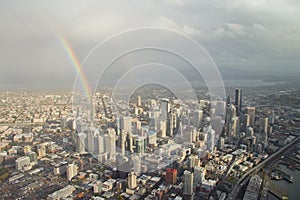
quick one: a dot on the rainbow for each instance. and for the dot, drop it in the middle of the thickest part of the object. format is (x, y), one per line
(77, 65)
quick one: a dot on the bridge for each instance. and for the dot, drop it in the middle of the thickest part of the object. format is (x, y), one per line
(275, 156)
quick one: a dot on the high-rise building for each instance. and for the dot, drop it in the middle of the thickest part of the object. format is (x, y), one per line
(171, 176)
(122, 142)
(211, 135)
(72, 171)
(229, 121)
(166, 108)
(137, 164)
(188, 183)
(189, 134)
(221, 106)
(251, 112)
(263, 125)
(90, 142)
(132, 180)
(80, 142)
(99, 144)
(125, 124)
(140, 146)
(197, 118)
(110, 142)
(238, 100)
(199, 175)
(245, 122)
(171, 124)
(129, 143)
(139, 101)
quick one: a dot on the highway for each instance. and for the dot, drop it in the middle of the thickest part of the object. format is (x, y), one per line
(238, 185)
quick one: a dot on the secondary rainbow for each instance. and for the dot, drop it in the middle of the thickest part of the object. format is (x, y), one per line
(76, 63)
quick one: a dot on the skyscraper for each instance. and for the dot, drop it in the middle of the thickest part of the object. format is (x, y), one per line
(238, 100)
(197, 118)
(125, 124)
(199, 173)
(132, 180)
(139, 101)
(110, 142)
(165, 106)
(188, 183)
(251, 112)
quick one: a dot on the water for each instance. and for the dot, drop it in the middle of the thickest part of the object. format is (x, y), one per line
(249, 83)
(293, 189)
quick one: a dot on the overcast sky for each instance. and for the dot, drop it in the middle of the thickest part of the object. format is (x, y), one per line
(254, 37)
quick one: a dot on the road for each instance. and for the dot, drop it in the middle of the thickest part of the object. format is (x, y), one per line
(238, 185)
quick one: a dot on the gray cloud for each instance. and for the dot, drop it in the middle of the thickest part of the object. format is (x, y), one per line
(258, 36)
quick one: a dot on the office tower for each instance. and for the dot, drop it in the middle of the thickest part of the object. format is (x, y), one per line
(139, 101)
(221, 106)
(217, 124)
(129, 143)
(229, 121)
(197, 118)
(110, 142)
(136, 126)
(189, 134)
(235, 128)
(211, 135)
(162, 127)
(171, 176)
(153, 124)
(125, 124)
(80, 143)
(171, 124)
(272, 118)
(137, 164)
(90, 142)
(245, 122)
(132, 180)
(151, 138)
(221, 143)
(199, 175)
(238, 101)
(121, 142)
(251, 112)
(191, 161)
(72, 171)
(263, 125)
(22, 162)
(188, 183)
(99, 144)
(165, 108)
(263, 129)
(228, 101)
(140, 146)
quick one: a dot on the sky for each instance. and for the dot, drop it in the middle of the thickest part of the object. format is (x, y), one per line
(246, 39)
